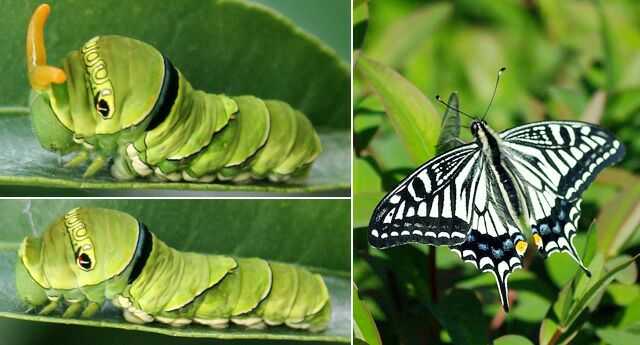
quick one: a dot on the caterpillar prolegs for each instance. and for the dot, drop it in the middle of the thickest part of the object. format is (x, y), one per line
(91, 255)
(120, 99)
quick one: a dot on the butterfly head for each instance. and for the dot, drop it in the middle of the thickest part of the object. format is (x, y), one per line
(477, 126)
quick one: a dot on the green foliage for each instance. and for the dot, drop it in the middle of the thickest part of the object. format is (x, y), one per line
(573, 60)
(243, 228)
(251, 49)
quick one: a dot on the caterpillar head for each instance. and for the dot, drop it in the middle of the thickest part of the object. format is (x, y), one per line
(110, 84)
(84, 248)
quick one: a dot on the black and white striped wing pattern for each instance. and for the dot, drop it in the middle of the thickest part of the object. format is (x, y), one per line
(432, 205)
(491, 243)
(554, 162)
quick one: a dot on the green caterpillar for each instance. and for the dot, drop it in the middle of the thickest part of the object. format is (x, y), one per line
(91, 255)
(119, 98)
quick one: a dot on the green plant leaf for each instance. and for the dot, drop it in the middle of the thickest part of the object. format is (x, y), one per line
(547, 329)
(413, 117)
(561, 267)
(620, 219)
(627, 276)
(360, 22)
(364, 327)
(450, 135)
(618, 337)
(512, 339)
(250, 50)
(623, 294)
(596, 288)
(363, 206)
(242, 228)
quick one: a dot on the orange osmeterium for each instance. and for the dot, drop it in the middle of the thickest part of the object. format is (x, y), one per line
(40, 74)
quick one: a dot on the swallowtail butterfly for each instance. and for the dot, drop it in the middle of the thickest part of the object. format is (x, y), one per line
(471, 198)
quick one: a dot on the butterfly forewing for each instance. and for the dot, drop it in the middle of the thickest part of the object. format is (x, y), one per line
(554, 162)
(431, 205)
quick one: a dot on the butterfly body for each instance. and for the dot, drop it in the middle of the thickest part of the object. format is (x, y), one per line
(473, 197)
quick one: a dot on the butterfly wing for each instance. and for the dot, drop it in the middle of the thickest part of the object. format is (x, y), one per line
(432, 205)
(554, 162)
(491, 244)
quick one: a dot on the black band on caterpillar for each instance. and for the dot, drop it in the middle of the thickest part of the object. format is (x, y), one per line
(167, 96)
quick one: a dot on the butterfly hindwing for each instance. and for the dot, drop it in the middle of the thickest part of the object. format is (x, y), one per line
(554, 162)
(431, 205)
(491, 243)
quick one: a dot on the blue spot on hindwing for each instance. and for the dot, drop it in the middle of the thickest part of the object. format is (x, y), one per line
(483, 247)
(561, 215)
(544, 229)
(497, 253)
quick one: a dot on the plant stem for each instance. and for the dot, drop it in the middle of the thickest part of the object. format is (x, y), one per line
(431, 267)
(555, 337)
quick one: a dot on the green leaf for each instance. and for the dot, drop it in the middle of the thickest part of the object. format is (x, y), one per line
(595, 288)
(547, 329)
(242, 228)
(623, 294)
(363, 205)
(631, 314)
(627, 276)
(618, 337)
(561, 267)
(250, 50)
(563, 303)
(619, 219)
(26, 165)
(363, 324)
(360, 22)
(531, 307)
(413, 117)
(512, 339)
(450, 135)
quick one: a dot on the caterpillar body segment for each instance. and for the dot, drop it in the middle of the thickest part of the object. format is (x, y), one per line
(122, 102)
(91, 256)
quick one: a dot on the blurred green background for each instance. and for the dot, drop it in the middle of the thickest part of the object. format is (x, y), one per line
(565, 60)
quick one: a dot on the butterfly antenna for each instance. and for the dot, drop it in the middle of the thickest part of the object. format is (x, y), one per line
(452, 108)
(495, 88)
